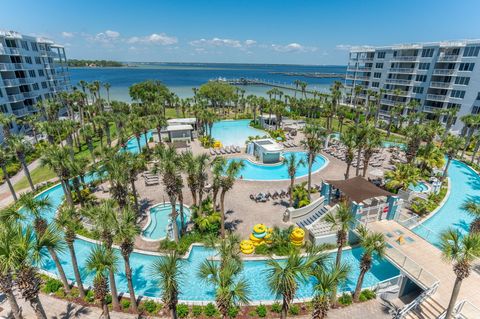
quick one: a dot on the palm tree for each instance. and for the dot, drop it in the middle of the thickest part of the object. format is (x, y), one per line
(230, 172)
(349, 141)
(5, 121)
(168, 272)
(37, 207)
(342, 221)
(284, 276)
(326, 287)
(451, 146)
(10, 234)
(57, 159)
(68, 219)
(88, 133)
(101, 261)
(4, 158)
(107, 87)
(371, 144)
(127, 230)
(472, 121)
(313, 143)
(473, 209)
(20, 147)
(402, 177)
(372, 243)
(461, 250)
(292, 165)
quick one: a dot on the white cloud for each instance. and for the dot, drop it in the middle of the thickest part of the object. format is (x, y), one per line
(348, 47)
(154, 38)
(293, 47)
(219, 42)
(112, 34)
(67, 34)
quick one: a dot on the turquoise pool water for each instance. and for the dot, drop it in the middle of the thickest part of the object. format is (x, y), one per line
(421, 187)
(464, 185)
(385, 144)
(159, 219)
(234, 132)
(259, 172)
(194, 289)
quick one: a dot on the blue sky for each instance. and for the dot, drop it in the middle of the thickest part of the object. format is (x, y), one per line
(255, 31)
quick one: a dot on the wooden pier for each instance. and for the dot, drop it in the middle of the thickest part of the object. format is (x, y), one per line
(260, 82)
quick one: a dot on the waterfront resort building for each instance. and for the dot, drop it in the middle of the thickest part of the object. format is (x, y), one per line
(32, 69)
(265, 150)
(436, 76)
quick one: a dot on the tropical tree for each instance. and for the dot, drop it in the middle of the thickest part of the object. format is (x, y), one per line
(371, 144)
(5, 121)
(168, 272)
(126, 230)
(292, 164)
(451, 146)
(430, 157)
(342, 220)
(68, 218)
(229, 173)
(461, 250)
(473, 209)
(21, 147)
(415, 134)
(101, 261)
(373, 243)
(313, 143)
(57, 159)
(4, 158)
(402, 177)
(348, 139)
(327, 280)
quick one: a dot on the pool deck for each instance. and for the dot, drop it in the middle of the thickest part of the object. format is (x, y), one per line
(429, 259)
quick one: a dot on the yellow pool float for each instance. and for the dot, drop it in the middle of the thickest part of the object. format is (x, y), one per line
(259, 228)
(217, 144)
(268, 238)
(247, 247)
(297, 234)
(256, 241)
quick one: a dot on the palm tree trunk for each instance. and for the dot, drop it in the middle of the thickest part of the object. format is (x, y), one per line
(292, 181)
(347, 172)
(182, 216)
(68, 193)
(159, 132)
(107, 133)
(173, 202)
(14, 308)
(128, 274)
(78, 278)
(309, 183)
(446, 167)
(76, 186)
(37, 307)
(338, 260)
(135, 196)
(9, 183)
(26, 172)
(358, 288)
(113, 289)
(357, 169)
(453, 298)
(222, 214)
(146, 139)
(475, 150)
(91, 149)
(106, 312)
(173, 313)
(139, 144)
(283, 313)
(61, 273)
(200, 200)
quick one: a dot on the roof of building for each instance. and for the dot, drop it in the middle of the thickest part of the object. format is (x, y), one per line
(453, 43)
(268, 145)
(188, 120)
(358, 189)
(184, 127)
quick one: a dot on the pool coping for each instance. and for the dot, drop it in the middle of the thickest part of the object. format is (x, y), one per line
(149, 221)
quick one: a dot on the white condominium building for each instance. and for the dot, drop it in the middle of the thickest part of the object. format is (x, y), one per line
(439, 76)
(32, 69)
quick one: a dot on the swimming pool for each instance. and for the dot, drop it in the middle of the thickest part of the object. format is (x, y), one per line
(193, 289)
(385, 144)
(234, 132)
(421, 187)
(262, 172)
(159, 219)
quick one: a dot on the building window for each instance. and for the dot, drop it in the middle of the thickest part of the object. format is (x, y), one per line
(478, 96)
(377, 75)
(462, 80)
(379, 65)
(25, 45)
(34, 46)
(1, 94)
(41, 73)
(32, 73)
(424, 66)
(3, 108)
(427, 53)
(418, 89)
(471, 51)
(476, 109)
(28, 60)
(10, 43)
(421, 78)
(466, 66)
(457, 94)
(375, 84)
(381, 55)
(44, 85)
(35, 86)
(38, 60)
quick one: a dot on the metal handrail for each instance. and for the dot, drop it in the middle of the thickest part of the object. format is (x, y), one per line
(417, 301)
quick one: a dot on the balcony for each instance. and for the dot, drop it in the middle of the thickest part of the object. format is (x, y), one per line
(435, 97)
(448, 58)
(405, 58)
(18, 66)
(21, 112)
(23, 80)
(399, 81)
(15, 98)
(387, 102)
(30, 95)
(11, 82)
(444, 71)
(431, 109)
(402, 70)
(6, 67)
(440, 85)
(14, 51)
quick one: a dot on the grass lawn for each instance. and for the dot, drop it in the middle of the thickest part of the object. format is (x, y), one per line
(39, 174)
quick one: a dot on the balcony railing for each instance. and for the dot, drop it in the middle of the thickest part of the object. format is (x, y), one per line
(399, 81)
(15, 98)
(18, 66)
(23, 80)
(444, 72)
(11, 82)
(431, 109)
(440, 85)
(15, 51)
(387, 102)
(6, 67)
(448, 58)
(405, 58)
(29, 95)
(435, 97)
(402, 70)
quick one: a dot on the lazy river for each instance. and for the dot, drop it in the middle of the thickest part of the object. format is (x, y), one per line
(464, 184)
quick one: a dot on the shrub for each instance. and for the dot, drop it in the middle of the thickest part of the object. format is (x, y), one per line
(182, 310)
(294, 310)
(125, 303)
(108, 299)
(60, 293)
(210, 310)
(261, 311)
(74, 293)
(262, 249)
(90, 296)
(197, 311)
(367, 294)
(151, 306)
(345, 299)
(233, 312)
(52, 285)
(276, 307)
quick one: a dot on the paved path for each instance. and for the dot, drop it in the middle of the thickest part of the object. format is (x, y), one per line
(429, 260)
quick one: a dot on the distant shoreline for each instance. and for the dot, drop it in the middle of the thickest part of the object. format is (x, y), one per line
(312, 74)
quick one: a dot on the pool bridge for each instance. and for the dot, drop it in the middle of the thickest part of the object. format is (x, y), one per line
(280, 85)
(418, 260)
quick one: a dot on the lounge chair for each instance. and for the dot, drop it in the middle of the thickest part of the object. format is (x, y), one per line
(237, 148)
(217, 152)
(212, 152)
(222, 151)
(227, 150)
